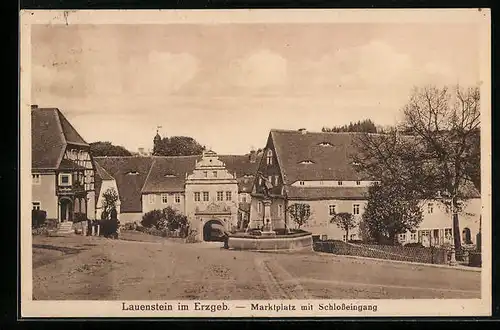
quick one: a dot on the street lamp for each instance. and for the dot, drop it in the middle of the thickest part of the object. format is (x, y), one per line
(453, 260)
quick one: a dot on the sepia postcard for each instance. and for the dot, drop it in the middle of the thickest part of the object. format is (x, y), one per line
(255, 163)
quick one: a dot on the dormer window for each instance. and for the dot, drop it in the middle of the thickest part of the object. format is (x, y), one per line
(269, 157)
(306, 162)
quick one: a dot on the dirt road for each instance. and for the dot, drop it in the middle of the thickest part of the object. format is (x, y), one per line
(83, 268)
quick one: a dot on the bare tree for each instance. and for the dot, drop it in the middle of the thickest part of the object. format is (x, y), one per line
(434, 149)
(344, 221)
(300, 213)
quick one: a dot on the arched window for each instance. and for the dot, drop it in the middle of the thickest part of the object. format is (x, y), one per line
(269, 157)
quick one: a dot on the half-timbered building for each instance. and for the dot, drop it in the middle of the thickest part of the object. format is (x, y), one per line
(62, 167)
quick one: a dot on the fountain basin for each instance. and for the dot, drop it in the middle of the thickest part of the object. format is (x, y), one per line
(270, 241)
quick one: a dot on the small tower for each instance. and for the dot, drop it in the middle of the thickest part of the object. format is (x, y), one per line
(156, 140)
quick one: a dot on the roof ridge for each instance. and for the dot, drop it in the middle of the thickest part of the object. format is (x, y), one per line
(59, 114)
(278, 130)
(61, 133)
(147, 176)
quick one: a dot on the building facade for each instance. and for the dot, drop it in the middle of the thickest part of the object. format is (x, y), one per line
(316, 169)
(62, 171)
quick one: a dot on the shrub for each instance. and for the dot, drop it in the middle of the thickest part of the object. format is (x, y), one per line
(38, 218)
(191, 236)
(40, 231)
(151, 218)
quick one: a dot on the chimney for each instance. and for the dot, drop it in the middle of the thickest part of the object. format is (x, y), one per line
(34, 106)
(253, 156)
(302, 130)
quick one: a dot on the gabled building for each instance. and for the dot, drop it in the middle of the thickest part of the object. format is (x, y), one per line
(62, 168)
(104, 182)
(206, 188)
(129, 174)
(316, 169)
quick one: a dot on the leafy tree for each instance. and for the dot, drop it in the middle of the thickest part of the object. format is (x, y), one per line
(366, 126)
(344, 221)
(177, 146)
(110, 199)
(300, 213)
(391, 210)
(107, 149)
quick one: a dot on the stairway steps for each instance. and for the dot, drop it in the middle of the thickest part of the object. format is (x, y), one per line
(65, 228)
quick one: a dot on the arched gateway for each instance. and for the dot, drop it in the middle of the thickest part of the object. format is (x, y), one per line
(213, 231)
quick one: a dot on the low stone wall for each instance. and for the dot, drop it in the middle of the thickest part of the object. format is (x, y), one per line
(261, 243)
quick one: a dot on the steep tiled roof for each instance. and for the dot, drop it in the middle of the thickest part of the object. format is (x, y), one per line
(165, 174)
(240, 164)
(322, 156)
(315, 155)
(50, 133)
(168, 174)
(130, 174)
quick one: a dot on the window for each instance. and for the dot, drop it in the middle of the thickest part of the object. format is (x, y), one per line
(331, 209)
(260, 181)
(358, 183)
(205, 173)
(269, 157)
(280, 210)
(413, 236)
(36, 178)
(259, 207)
(402, 237)
(339, 183)
(64, 179)
(344, 237)
(301, 183)
(205, 196)
(276, 179)
(448, 233)
(229, 196)
(220, 196)
(352, 237)
(430, 208)
(197, 197)
(355, 209)
(152, 198)
(36, 205)
(164, 198)
(214, 173)
(177, 198)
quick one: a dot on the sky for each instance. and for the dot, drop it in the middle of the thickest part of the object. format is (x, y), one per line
(228, 85)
